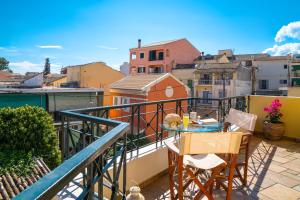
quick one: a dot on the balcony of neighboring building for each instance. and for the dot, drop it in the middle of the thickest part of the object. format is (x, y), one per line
(156, 69)
(104, 156)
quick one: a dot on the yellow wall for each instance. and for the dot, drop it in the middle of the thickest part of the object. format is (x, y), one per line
(95, 75)
(294, 91)
(290, 110)
(59, 81)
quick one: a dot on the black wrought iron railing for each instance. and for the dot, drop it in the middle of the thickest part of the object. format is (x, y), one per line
(96, 142)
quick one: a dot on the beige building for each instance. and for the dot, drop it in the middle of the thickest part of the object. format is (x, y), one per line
(223, 75)
(185, 73)
(93, 75)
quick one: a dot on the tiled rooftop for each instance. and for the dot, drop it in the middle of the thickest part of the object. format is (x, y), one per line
(274, 174)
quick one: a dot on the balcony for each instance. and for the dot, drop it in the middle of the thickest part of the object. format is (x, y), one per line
(205, 82)
(221, 82)
(106, 153)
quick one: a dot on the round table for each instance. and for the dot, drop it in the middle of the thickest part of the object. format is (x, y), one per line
(195, 128)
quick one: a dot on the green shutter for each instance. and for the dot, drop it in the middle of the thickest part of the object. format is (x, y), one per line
(296, 67)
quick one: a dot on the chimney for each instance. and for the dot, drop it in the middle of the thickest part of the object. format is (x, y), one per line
(139, 43)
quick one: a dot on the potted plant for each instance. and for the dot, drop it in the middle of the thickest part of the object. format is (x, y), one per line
(273, 127)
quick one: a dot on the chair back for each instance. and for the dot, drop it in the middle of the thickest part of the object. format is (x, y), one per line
(241, 119)
(205, 143)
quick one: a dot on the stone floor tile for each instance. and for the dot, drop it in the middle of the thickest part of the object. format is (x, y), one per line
(276, 168)
(297, 187)
(295, 155)
(279, 191)
(279, 178)
(293, 176)
(280, 159)
(292, 166)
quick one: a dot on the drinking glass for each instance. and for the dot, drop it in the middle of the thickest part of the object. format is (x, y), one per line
(186, 119)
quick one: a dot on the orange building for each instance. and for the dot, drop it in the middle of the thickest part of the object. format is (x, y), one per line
(146, 88)
(161, 57)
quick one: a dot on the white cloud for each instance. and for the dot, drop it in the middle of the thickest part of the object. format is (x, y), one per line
(292, 30)
(27, 66)
(284, 49)
(49, 46)
(106, 47)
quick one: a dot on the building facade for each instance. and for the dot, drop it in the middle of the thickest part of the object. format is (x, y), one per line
(161, 57)
(223, 75)
(294, 84)
(272, 75)
(93, 75)
(185, 73)
(146, 88)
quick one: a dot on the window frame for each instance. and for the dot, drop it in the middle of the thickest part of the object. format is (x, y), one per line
(143, 71)
(142, 53)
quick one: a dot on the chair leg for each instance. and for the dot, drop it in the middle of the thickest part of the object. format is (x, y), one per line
(180, 177)
(231, 174)
(246, 165)
(171, 169)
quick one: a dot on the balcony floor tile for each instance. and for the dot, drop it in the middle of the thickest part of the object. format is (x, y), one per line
(274, 171)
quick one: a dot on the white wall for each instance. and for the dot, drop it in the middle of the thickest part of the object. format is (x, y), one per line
(36, 81)
(124, 68)
(273, 71)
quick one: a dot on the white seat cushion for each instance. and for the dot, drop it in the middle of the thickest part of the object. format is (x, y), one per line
(203, 161)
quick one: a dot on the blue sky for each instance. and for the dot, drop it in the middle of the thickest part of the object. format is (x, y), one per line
(74, 32)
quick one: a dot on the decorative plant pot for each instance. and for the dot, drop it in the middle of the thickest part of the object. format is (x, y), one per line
(273, 131)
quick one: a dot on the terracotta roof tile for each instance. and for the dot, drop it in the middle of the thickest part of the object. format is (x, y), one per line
(11, 184)
(137, 82)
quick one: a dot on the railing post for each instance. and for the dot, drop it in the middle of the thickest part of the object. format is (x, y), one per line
(248, 103)
(115, 187)
(66, 135)
(131, 130)
(219, 109)
(125, 167)
(161, 121)
(62, 138)
(100, 181)
(157, 124)
(138, 127)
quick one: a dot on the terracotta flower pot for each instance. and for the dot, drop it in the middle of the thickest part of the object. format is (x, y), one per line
(273, 131)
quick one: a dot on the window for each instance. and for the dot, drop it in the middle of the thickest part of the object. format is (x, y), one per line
(116, 101)
(133, 56)
(285, 66)
(152, 55)
(263, 84)
(283, 81)
(160, 55)
(142, 55)
(141, 69)
(125, 100)
(167, 52)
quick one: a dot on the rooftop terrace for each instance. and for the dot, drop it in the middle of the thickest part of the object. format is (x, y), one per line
(108, 149)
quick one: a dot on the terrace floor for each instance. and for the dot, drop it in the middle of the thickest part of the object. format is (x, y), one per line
(274, 174)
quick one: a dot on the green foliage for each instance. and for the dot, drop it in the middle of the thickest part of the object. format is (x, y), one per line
(4, 64)
(19, 162)
(29, 130)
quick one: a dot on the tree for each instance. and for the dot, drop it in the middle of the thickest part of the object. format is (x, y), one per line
(4, 64)
(47, 67)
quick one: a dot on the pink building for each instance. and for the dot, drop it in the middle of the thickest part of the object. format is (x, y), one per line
(161, 57)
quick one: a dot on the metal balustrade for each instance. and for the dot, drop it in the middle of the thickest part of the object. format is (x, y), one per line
(96, 140)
